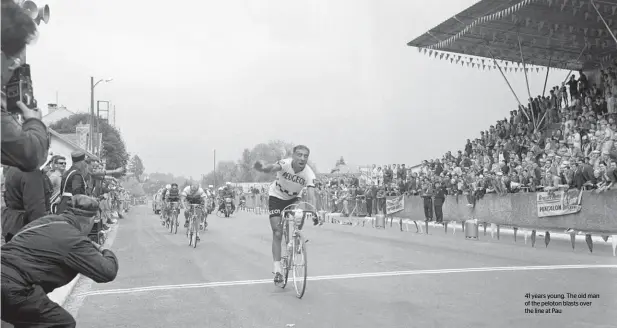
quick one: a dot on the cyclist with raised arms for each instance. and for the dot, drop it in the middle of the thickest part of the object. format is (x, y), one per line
(292, 175)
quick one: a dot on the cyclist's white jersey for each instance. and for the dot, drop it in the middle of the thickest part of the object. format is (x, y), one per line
(288, 184)
(186, 193)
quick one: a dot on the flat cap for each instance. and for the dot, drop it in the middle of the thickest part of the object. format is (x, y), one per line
(78, 156)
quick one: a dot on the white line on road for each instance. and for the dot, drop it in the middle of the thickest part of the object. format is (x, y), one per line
(344, 276)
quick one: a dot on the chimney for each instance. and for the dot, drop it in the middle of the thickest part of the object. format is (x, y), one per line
(52, 108)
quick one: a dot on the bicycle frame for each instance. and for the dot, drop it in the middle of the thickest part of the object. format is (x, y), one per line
(194, 221)
(295, 246)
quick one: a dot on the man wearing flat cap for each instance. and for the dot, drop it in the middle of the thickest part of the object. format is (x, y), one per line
(46, 254)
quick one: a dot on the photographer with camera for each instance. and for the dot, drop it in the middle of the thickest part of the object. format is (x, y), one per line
(46, 254)
(24, 144)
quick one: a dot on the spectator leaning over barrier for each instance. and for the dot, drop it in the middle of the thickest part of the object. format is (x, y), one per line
(24, 144)
(46, 254)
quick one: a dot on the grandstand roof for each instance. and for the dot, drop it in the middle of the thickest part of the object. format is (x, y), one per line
(566, 34)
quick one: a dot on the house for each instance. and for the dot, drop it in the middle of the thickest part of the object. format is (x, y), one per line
(80, 137)
(55, 113)
(62, 144)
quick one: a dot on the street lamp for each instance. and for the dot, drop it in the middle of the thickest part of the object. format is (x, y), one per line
(92, 86)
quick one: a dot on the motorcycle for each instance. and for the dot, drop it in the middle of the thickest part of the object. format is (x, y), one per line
(210, 205)
(227, 207)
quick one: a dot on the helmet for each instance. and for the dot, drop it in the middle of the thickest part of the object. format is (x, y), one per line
(228, 183)
(168, 186)
(220, 188)
(210, 186)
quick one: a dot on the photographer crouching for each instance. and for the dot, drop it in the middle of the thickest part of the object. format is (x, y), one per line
(46, 254)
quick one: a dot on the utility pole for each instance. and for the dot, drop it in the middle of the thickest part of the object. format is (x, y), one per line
(90, 145)
(214, 168)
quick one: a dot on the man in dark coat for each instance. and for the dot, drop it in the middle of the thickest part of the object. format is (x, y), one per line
(46, 254)
(73, 180)
(25, 200)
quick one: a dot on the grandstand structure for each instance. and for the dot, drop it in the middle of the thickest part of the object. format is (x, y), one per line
(523, 35)
(563, 34)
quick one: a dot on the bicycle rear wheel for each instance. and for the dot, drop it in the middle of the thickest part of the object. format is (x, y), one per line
(299, 265)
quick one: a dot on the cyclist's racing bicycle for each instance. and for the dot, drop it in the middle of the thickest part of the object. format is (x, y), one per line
(293, 249)
(172, 220)
(193, 228)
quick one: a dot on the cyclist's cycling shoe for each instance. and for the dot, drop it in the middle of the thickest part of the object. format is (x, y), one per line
(278, 278)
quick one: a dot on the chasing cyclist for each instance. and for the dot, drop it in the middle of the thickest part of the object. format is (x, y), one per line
(164, 204)
(170, 196)
(194, 194)
(292, 175)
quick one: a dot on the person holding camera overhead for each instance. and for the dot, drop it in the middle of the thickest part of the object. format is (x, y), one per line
(24, 144)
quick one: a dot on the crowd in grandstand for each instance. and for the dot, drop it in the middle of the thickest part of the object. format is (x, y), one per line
(572, 145)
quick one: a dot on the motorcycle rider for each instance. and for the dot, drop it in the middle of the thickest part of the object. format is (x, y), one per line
(227, 192)
(242, 201)
(170, 196)
(194, 194)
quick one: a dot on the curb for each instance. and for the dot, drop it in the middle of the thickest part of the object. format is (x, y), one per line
(61, 294)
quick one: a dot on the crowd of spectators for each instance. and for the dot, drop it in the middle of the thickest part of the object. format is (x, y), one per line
(41, 251)
(565, 140)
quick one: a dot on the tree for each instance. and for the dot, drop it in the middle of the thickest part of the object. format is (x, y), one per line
(242, 170)
(114, 150)
(136, 166)
(133, 186)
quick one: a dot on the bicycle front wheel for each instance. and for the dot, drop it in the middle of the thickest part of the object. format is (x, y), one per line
(195, 230)
(299, 265)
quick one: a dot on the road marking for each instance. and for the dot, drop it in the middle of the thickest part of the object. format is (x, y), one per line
(343, 276)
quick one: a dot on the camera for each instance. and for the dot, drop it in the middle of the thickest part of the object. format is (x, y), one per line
(19, 88)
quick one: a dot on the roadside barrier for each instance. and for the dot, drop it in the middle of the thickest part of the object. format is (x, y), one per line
(597, 215)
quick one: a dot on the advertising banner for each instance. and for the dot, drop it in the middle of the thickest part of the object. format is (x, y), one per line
(395, 204)
(554, 203)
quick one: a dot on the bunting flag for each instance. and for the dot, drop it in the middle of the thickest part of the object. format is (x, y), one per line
(484, 19)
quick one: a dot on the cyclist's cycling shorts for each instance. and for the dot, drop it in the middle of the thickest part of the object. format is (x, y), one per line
(276, 205)
(197, 201)
(173, 200)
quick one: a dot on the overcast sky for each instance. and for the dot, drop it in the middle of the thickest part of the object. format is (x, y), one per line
(335, 75)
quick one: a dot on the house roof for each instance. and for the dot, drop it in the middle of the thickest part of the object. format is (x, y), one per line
(566, 34)
(70, 142)
(56, 115)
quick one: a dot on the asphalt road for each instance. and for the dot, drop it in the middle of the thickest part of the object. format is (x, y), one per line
(416, 285)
